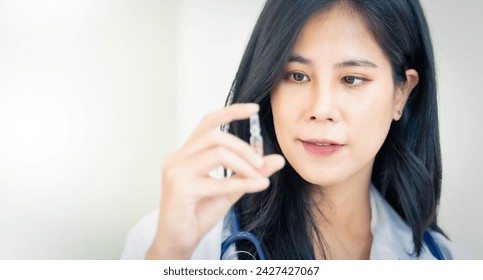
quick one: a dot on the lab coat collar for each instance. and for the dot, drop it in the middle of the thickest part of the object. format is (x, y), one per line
(391, 236)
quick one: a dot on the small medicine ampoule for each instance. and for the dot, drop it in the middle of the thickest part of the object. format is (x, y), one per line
(256, 140)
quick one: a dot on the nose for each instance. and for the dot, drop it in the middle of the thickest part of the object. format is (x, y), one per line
(323, 105)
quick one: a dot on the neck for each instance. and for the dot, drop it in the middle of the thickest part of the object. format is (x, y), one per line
(345, 206)
(345, 220)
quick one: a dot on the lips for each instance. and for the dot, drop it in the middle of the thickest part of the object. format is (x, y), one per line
(321, 147)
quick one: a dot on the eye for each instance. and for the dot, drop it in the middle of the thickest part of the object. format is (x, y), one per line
(297, 77)
(353, 81)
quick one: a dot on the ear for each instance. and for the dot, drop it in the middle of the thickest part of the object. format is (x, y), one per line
(403, 91)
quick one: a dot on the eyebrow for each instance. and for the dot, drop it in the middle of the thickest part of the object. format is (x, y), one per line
(299, 59)
(348, 63)
(360, 63)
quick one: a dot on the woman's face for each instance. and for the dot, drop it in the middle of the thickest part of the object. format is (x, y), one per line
(333, 109)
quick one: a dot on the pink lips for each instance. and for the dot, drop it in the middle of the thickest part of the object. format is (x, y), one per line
(321, 147)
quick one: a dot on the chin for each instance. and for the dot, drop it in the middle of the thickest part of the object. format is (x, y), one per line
(320, 178)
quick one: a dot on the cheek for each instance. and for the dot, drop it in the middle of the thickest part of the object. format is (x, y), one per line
(372, 132)
(286, 113)
(279, 118)
(372, 122)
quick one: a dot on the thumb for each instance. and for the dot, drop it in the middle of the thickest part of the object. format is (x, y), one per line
(272, 164)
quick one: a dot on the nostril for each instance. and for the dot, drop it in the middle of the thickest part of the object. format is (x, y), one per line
(313, 118)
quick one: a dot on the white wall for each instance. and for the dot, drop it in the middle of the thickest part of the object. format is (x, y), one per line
(87, 100)
(212, 37)
(457, 30)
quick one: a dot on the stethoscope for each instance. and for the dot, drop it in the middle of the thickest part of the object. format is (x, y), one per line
(237, 234)
(432, 246)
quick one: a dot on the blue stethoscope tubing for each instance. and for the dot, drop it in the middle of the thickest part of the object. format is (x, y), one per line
(238, 234)
(432, 246)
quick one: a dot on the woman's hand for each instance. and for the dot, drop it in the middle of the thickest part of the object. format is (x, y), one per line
(192, 202)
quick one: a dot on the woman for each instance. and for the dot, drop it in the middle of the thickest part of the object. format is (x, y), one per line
(346, 93)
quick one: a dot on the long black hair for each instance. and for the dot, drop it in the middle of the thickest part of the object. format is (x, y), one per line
(407, 169)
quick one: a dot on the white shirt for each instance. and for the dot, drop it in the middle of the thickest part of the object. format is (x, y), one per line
(392, 237)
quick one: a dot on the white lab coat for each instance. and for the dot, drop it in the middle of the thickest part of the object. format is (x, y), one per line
(392, 237)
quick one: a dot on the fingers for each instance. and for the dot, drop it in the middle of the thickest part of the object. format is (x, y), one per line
(192, 201)
(210, 159)
(238, 185)
(202, 163)
(206, 137)
(238, 111)
(216, 138)
(186, 179)
(272, 164)
(246, 180)
(233, 185)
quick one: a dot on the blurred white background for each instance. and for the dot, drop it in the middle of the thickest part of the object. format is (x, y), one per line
(95, 93)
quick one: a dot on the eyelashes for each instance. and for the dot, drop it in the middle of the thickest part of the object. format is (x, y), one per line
(353, 81)
(299, 77)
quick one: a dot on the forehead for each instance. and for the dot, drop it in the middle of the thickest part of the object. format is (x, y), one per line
(341, 31)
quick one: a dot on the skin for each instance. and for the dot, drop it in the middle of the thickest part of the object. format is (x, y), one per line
(339, 87)
(192, 201)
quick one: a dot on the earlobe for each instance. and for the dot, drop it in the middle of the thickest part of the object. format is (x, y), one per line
(403, 92)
